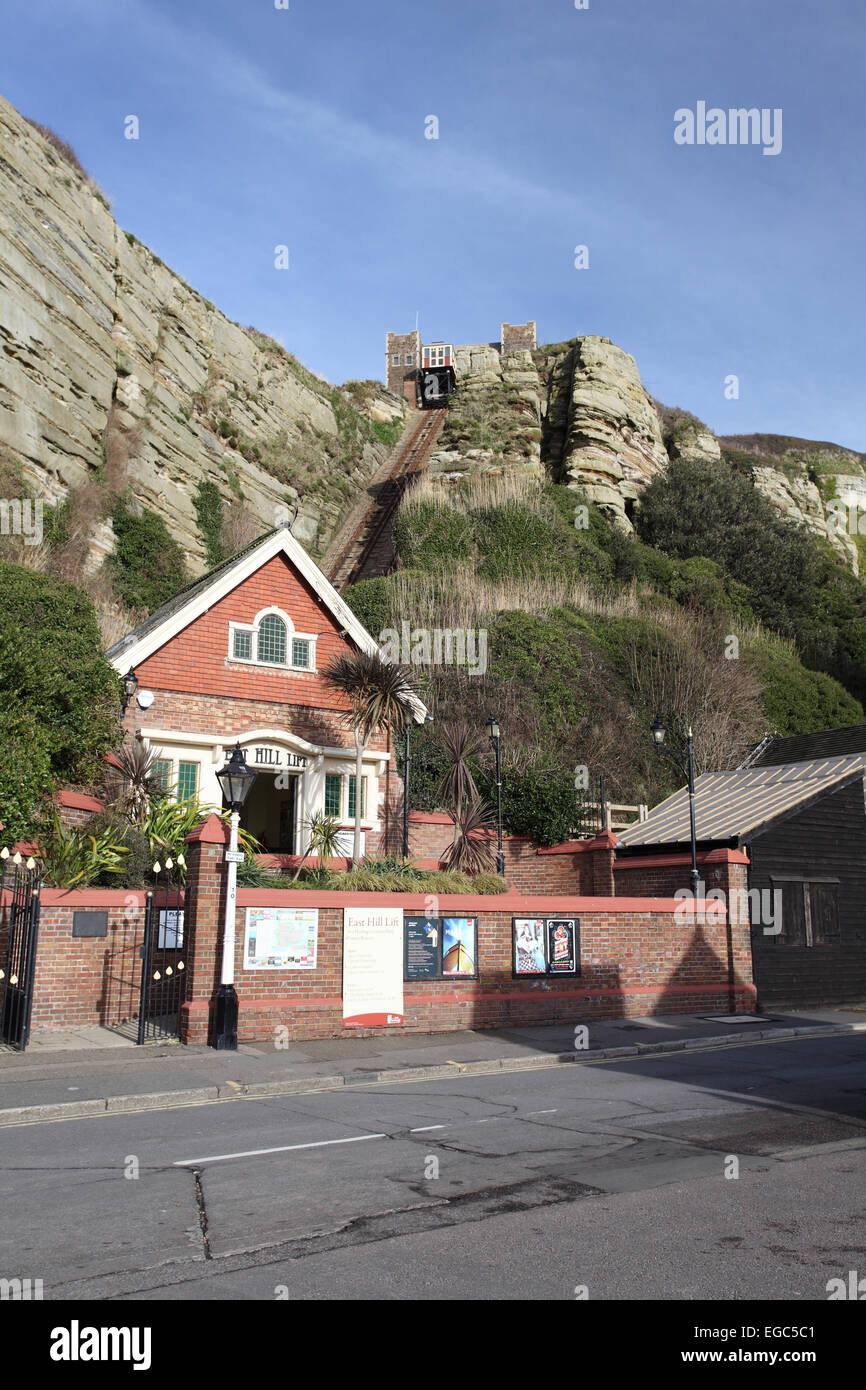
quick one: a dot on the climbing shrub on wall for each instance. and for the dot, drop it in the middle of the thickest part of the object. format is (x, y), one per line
(147, 566)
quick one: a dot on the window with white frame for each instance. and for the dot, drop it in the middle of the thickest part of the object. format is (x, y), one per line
(271, 640)
(340, 796)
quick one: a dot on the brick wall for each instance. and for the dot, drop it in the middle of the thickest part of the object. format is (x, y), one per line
(638, 957)
(516, 336)
(401, 379)
(84, 981)
(577, 867)
(660, 875)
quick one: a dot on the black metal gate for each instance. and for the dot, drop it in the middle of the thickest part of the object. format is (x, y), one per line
(162, 961)
(19, 913)
(591, 811)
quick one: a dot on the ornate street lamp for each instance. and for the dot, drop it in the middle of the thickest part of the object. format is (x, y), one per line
(496, 745)
(130, 685)
(236, 780)
(659, 733)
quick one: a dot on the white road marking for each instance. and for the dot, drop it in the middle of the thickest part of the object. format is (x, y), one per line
(422, 1129)
(541, 1112)
(281, 1149)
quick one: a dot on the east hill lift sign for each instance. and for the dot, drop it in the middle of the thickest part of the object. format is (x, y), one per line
(274, 757)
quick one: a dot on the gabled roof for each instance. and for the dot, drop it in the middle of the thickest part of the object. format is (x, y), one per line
(826, 743)
(194, 600)
(733, 805)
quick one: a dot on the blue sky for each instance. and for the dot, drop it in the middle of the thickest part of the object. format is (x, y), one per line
(305, 127)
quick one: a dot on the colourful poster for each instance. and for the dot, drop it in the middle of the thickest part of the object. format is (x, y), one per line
(562, 945)
(459, 946)
(281, 938)
(529, 946)
(372, 966)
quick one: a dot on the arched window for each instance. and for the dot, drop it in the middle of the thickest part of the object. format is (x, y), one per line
(272, 640)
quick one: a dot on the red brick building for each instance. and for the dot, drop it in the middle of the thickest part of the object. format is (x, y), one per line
(237, 656)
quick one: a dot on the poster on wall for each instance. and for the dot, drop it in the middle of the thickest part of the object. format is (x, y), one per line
(530, 954)
(281, 938)
(170, 929)
(459, 946)
(372, 966)
(562, 945)
(423, 937)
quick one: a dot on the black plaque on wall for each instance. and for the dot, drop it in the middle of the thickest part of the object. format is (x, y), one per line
(423, 945)
(90, 924)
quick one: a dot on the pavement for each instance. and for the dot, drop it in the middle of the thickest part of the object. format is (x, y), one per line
(81, 1073)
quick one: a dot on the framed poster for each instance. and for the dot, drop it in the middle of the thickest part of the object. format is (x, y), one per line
(563, 946)
(372, 966)
(170, 929)
(460, 946)
(423, 948)
(281, 938)
(529, 946)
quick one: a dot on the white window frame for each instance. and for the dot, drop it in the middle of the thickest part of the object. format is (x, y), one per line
(292, 635)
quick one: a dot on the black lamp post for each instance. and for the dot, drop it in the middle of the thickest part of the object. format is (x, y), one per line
(496, 745)
(677, 754)
(407, 763)
(236, 780)
(130, 685)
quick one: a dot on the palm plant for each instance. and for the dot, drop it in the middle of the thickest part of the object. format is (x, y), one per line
(169, 822)
(460, 741)
(136, 783)
(471, 851)
(324, 839)
(72, 858)
(380, 695)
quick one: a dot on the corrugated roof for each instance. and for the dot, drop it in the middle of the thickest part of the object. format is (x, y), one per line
(826, 743)
(729, 805)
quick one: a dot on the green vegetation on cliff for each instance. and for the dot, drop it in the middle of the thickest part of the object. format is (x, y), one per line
(712, 616)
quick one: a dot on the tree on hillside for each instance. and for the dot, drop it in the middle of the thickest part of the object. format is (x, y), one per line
(380, 695)
(59, 697)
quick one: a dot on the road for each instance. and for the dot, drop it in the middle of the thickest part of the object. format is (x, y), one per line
(608, 1181)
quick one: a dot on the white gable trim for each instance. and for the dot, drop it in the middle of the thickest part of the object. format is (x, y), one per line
(282, 542)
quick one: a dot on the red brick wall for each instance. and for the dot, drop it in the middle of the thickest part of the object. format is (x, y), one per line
(635, 962)
(661, 875)
(638, 957)
(526, 869)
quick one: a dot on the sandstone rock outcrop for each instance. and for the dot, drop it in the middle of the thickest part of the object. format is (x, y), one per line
(107, 354)
(603, 432)
(494, 422)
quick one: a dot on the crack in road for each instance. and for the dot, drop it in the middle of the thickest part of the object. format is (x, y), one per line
(202, 1212)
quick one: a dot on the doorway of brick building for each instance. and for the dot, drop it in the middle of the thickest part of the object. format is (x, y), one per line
(271, 812)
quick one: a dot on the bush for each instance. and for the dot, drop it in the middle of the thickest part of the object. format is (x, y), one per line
(540, 802)
(78, 856)
(59, 697)
(25, 774)
(147, 565)
(795, 700)
(371, 604)
(209, 514)
(136, 870)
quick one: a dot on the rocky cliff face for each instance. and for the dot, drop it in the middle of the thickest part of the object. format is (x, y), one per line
(110, 359)
(578, 412)
(818, 485)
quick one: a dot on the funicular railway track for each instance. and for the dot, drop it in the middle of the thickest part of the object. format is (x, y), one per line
(366, 548)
